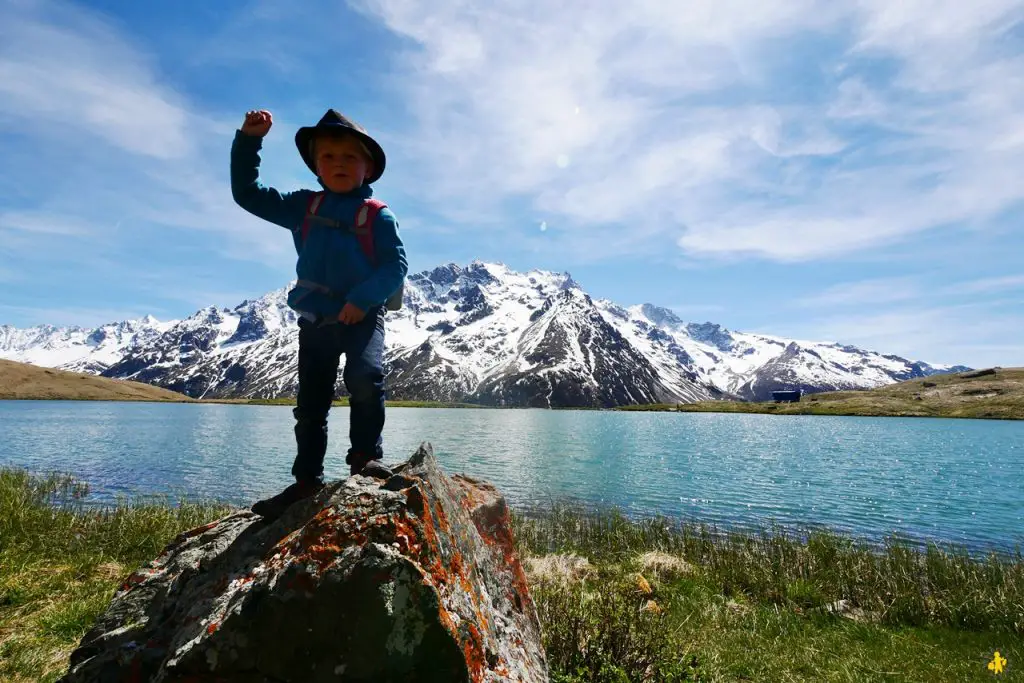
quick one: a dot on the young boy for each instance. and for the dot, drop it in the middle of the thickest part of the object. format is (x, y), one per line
(341, 291)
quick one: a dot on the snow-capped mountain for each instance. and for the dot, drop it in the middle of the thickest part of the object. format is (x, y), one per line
(481, 333)
(76, 348)
(752, 366)
(248, 351)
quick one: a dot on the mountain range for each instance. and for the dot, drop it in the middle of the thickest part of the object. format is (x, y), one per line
(482, 333)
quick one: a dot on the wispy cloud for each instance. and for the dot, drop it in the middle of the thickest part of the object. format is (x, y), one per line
(989, 284)
(978, 334)
(70, 71)
(880, 293)
(108, 142)
(688, 115)
(38, 223)
(74, 316)
(874, 292)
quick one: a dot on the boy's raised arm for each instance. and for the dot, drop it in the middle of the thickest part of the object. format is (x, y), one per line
(286, 209)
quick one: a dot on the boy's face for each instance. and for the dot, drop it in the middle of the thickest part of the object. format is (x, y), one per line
(341, 163)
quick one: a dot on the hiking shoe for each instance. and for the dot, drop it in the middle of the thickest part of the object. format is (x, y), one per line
(376, 469)
(360, 463)
(273, 507)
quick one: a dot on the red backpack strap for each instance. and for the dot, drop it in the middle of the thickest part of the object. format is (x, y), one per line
(311, 209)
(365, 217)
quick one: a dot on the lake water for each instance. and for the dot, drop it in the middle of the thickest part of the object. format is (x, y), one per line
(956, 481)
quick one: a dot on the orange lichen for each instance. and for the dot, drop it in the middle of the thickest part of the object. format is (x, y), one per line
(425, 534)
(323, 554)
(473, 651)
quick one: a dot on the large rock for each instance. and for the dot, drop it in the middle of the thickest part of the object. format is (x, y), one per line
(410, 579)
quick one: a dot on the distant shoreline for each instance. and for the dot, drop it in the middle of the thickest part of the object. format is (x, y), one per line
(993, 394)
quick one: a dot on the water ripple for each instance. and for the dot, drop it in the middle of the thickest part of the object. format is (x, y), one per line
(944, 480)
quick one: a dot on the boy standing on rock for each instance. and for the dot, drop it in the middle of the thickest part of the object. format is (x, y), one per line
(351, 266)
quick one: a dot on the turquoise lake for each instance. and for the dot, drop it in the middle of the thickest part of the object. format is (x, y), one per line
(959, 481)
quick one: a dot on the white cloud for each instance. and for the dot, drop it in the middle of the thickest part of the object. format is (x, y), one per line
(880, 292)
(976, 334)
(106, 141)
(42, 223)
(988, 285)
(73, 316)
(872, 292)
(63, 68)
(687, 112)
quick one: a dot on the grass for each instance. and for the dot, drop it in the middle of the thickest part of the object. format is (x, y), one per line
(757, 607)
(999, 395)
(21, 381)
(60, 563)
(710, 606)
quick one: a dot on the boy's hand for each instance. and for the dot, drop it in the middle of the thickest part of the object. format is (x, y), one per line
(351, 314)
(257, 123)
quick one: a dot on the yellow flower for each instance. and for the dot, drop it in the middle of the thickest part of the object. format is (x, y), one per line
(997, 663)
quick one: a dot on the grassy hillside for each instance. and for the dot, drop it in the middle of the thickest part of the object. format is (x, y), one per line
(24, 381)
(993, 393)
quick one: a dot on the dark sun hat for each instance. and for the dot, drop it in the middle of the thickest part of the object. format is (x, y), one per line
(334, 122)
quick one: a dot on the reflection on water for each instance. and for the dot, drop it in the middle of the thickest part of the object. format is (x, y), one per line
(948, 480)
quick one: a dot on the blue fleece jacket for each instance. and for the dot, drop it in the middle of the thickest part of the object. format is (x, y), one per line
(330, 257)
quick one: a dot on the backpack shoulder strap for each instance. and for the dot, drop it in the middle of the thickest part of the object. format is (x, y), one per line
(314, 205)
(365, 218)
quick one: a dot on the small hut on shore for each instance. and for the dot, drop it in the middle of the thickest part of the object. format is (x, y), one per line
(786, 396)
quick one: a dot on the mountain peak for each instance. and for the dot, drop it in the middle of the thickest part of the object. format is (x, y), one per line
(713, 334)
(486, 273)
(569, 283)
(660, 316)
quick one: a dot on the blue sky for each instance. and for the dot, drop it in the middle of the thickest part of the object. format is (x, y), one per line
(813, 169)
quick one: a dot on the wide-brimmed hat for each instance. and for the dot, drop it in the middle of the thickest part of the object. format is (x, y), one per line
(336, 122)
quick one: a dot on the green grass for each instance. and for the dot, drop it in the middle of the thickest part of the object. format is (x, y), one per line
(61, 562)
(756, 606)
(729, 607)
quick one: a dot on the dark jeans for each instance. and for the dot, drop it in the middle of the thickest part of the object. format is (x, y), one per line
(320, 349)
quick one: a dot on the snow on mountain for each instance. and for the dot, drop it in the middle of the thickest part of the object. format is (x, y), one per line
(751, 366)
(492, 335)
(250, 350)
(481, 333)
(76, 348)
